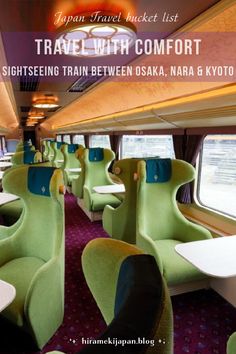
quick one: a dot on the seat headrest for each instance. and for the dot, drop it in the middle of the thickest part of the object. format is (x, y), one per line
(158, 170)
(39, 180)
(29, 157)
(96, 154)
(59, 144)
(27, 148)
(72, 148)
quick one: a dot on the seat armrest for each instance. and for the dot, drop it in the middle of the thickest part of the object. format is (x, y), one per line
(45, 295)
(107, 219)
(148, 245)
(87, 198)
(7, 250)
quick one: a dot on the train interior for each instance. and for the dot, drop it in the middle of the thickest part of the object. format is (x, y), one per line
(117, 202)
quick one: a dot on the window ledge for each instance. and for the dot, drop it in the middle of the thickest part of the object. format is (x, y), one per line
(216, 223)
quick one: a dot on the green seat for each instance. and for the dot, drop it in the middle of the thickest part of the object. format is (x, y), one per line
(70, 162)
(45, 149)
(32, 257)
(96, 162)
(120, 223)
(24, 146)
(58, 157)
(26, 157)
(77, 184)
(125, 284)
(231, 344)
(132, 296)
(160, 224)
(50, 150)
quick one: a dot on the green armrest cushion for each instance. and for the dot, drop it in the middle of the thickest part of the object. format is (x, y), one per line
(231, 344)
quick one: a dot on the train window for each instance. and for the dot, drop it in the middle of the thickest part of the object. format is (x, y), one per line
(147, 145)
(78, 139)
(4, 144)
(58, 138)
(67, 139)
(216, 187)
(100, 141)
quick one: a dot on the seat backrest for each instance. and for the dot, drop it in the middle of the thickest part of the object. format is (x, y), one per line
(45, 149)
(125, 214)
(50, 150)
(57, 154)
(41, 232)
(26, 157)
(70, 159)
(158, 215)
(78, 183)
(25, 147)
(140, 298)
(96, 164)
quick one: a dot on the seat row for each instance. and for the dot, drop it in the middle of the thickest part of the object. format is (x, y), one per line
(152, 185)
(147, 215)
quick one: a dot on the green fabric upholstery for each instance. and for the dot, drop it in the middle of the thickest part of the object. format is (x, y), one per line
(24, 157)
(57, 155)
(11, 212)
(130, 291)
(70, 161)
(50, 150)
(120, 223)
(32, 258)
(123, 282)
(160, 224)
(78, 183)
(231, 344)
(96, 174)
(45, 149)
(101, 261)
(26, 146)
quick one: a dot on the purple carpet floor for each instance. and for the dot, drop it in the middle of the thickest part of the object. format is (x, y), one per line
(203, 321)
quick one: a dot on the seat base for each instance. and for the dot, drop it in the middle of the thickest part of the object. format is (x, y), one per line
(92, 215)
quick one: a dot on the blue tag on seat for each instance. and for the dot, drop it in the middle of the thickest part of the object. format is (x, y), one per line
(59, 144)
(96, 154)
(72, 148)
(27, 148)
(39, 180)
(158, 170)
(29, 157)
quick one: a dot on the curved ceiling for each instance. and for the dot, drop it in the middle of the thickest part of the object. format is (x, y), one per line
(105, 102)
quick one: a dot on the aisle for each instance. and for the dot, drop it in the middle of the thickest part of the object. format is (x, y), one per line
(82, 317)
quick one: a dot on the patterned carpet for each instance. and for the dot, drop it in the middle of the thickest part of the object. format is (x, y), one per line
(203, 320)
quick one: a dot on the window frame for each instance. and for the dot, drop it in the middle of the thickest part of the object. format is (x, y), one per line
(143, 135)
(197, 184)
(73, 136)
(63, 138)
(59, 136)
(96, 135)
